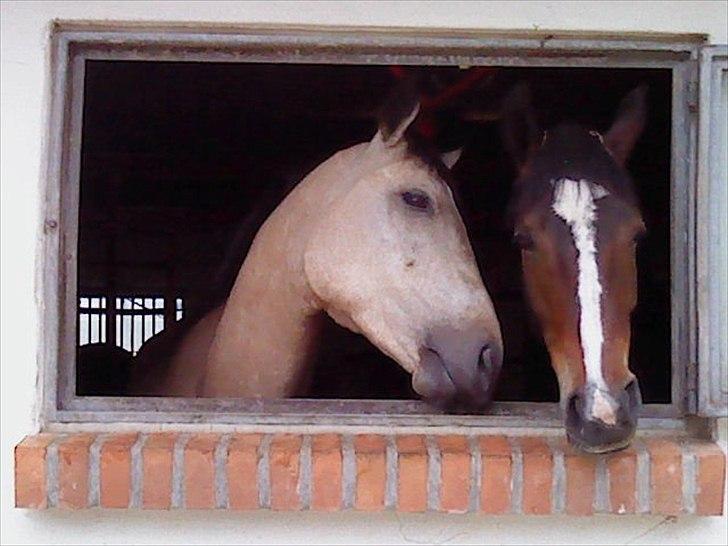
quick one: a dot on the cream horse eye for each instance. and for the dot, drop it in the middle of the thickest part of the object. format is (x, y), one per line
(416, 199)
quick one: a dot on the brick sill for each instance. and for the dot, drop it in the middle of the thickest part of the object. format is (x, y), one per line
(329, 472)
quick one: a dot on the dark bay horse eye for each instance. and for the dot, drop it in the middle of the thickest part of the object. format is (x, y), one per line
(523, 240)
(416, 199)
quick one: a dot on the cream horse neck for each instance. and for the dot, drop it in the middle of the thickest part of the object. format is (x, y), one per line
(259, 343)
(267, 332)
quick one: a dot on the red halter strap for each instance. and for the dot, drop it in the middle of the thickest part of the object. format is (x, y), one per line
(425, 124)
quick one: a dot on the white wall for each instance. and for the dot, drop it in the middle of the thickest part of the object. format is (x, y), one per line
(23, 36)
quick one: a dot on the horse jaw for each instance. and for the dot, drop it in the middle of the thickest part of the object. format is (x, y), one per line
(379, 334)
(342, 319)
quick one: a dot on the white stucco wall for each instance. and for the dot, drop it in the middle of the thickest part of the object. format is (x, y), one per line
(23, 36)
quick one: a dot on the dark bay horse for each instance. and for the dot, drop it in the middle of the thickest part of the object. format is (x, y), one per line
(577, 220)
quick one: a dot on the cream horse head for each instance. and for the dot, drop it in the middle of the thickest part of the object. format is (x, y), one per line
(390, 258)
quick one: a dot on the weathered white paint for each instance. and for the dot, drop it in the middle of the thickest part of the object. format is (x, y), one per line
(23, 85)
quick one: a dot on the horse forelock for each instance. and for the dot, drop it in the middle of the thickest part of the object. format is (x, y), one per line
(569, 151)
(425, 151)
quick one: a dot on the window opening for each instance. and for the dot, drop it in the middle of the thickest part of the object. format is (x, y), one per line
(229, 140)
(137, 319)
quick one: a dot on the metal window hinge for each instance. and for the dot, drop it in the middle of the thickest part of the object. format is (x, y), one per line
(691, 393)
(693, 97)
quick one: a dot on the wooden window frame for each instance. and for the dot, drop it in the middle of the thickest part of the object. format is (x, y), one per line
(73, 43)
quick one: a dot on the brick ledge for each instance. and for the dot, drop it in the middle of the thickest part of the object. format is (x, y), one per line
(329, 472)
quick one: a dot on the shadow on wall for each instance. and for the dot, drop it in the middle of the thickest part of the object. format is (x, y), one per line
(264, 527)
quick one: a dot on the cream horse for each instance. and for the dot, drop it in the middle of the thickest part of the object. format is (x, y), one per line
(373, 238)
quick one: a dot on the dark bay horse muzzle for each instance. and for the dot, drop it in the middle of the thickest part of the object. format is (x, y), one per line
(458, 372)
(599, 421)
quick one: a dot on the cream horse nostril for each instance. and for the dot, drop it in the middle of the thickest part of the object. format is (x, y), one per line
(486, 359)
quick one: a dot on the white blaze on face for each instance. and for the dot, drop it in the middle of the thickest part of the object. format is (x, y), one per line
(575, 203)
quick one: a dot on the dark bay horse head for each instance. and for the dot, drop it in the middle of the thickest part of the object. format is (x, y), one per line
(576, 219)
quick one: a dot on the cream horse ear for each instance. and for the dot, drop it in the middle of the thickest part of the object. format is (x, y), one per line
(395, 136)
(398, 112)
(450, 158)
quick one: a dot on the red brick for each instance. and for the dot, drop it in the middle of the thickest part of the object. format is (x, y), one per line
(326, 472)
(710, 461)
(411, 474)
(73, 465)
(371, 472)
(157, 460)
(242, 471)
(30, 471)
(580, 477)
(665, 476)
(200, 471)
(622, 469)
(370, 455)
(455, 473)
(496, 467)
(115, 471)
(537, 476)
(285, 450)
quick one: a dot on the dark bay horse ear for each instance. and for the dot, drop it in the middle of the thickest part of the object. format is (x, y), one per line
(628, 124)
(519, 128)
(399, 111)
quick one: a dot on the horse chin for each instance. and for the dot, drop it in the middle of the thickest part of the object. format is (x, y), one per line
(342, 319)
(602, 448)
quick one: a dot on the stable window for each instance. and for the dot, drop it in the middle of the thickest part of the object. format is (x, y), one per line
(169, 148)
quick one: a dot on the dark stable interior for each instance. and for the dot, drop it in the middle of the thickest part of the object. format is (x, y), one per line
(182, 162)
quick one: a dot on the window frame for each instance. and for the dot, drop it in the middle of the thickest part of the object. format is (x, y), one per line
(73, 43)
(712, 371)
